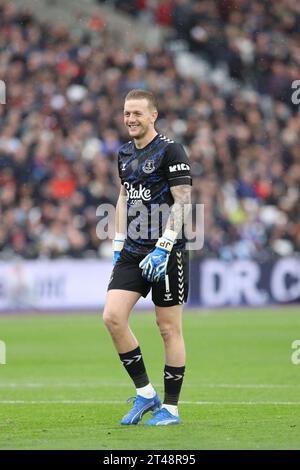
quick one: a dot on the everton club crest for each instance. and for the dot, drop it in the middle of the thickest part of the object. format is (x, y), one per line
(148, 166)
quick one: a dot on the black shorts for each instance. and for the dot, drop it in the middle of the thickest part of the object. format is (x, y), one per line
(173, 290)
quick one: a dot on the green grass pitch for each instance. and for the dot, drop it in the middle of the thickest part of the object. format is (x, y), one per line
(63, 386)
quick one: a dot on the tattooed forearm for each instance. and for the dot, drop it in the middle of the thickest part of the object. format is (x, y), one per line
(181, 207)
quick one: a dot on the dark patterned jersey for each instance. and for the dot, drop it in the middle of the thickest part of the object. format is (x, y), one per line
(147, 175)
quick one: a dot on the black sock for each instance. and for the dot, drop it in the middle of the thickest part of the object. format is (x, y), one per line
(173, 378)
(134, 364)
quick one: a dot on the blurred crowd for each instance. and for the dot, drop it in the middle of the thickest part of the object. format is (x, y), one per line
(62, 126)
(258, 40)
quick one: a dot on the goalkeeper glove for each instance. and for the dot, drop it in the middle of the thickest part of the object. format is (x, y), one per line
(118, 244)
(154, 265)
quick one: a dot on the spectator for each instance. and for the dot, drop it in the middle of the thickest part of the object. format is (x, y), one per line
(61, 131)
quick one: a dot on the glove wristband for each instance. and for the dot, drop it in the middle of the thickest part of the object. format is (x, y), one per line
(118, 242)
(167, 241)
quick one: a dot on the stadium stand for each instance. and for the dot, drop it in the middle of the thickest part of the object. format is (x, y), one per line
(62, 124)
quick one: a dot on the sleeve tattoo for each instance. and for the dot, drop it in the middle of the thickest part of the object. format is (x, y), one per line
(181, 207)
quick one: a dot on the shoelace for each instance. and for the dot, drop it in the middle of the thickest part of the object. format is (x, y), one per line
(131, 400)
(154, 413)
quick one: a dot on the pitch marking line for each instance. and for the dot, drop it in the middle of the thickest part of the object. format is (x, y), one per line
(125, 384)
(119, 402)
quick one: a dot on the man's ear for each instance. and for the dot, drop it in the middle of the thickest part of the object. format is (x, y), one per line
(154, 116)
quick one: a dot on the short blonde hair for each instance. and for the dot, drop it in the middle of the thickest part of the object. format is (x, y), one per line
(142, 94)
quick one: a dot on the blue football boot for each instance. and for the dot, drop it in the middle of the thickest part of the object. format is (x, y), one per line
(162, 417)
(140, 406)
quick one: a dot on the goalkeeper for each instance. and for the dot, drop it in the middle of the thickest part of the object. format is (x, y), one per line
(154, 172)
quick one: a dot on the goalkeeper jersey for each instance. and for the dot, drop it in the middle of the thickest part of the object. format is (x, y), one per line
(147, 175)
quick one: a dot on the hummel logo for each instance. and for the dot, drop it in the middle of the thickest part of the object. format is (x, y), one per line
(168, 297)
(123, 167)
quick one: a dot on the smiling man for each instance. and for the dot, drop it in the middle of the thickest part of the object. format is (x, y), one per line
(156, 183)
